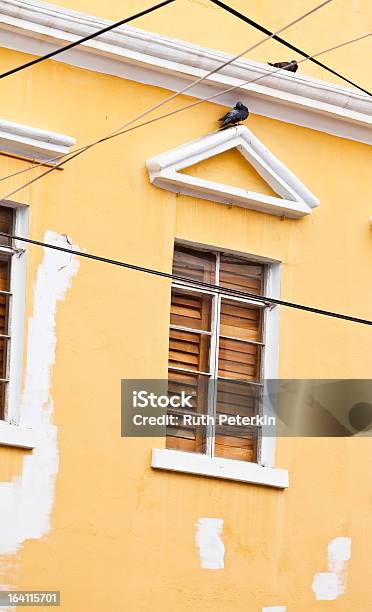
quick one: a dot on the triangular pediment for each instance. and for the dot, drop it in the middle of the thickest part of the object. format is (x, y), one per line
(222, 167)
(294, 198)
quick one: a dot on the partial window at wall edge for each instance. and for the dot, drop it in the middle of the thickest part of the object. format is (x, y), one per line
(13, 220)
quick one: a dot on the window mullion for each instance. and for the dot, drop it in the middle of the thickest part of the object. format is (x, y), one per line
(211, 434)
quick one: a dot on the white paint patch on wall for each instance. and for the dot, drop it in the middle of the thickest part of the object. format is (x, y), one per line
(327, 586)
(208, 532)
(275, 609)
(26, 503)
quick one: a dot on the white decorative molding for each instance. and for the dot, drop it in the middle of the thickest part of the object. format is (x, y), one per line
(31, 142)
(216, 467)
(14, 435)
(34, 27)
(295, 199)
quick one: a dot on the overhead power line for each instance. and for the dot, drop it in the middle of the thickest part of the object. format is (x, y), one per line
(80, 41)
(70, 156)
(182, 279)
(261, 28)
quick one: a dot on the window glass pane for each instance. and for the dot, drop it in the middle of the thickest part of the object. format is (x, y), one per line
(238, 398)
(241, 321)
(191, 309)
(238, 443)
(189, 350)
(4, 272)
(4, 314)
(3, 357)
(184, 436)
(241, 275)
(2, 400)
(6, 224)
(195, 265)
(240, 360)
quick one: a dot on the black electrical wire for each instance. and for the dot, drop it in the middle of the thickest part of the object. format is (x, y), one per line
(181, 279)
(85, 38)
(261, 28)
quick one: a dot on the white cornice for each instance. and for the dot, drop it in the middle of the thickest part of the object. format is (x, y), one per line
(127, 52)
(31, 142)
(295, 199)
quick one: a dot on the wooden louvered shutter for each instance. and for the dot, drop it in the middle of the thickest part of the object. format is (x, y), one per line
(189, 353)
(194, 265)
(189, 346)
(236, 442)
(6, 225)
(240, 275)
(239, 359)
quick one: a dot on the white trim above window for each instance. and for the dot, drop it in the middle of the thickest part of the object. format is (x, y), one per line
(228, 469)
(295, 199)
(33, 143)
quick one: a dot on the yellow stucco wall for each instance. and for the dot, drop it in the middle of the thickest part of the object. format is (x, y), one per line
(122, 535)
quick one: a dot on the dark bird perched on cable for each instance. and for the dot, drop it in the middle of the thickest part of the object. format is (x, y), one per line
(292, 66)
(238, 114)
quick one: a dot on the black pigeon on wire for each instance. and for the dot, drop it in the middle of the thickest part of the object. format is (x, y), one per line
(235, 116)
(291, 66)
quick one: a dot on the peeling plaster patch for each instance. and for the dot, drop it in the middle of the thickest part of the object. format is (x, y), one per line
(208, 539)
(339, 551)
(327, 586)
(275, 609)
(26, 502)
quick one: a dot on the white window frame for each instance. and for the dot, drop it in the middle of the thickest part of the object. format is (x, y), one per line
(207, 464)
(11, 432)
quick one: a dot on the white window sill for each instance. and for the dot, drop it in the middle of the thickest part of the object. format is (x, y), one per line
(229, 469)
(15, 435)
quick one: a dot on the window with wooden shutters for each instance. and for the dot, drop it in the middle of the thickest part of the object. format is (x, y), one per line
(6, 255)
(215, 351)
